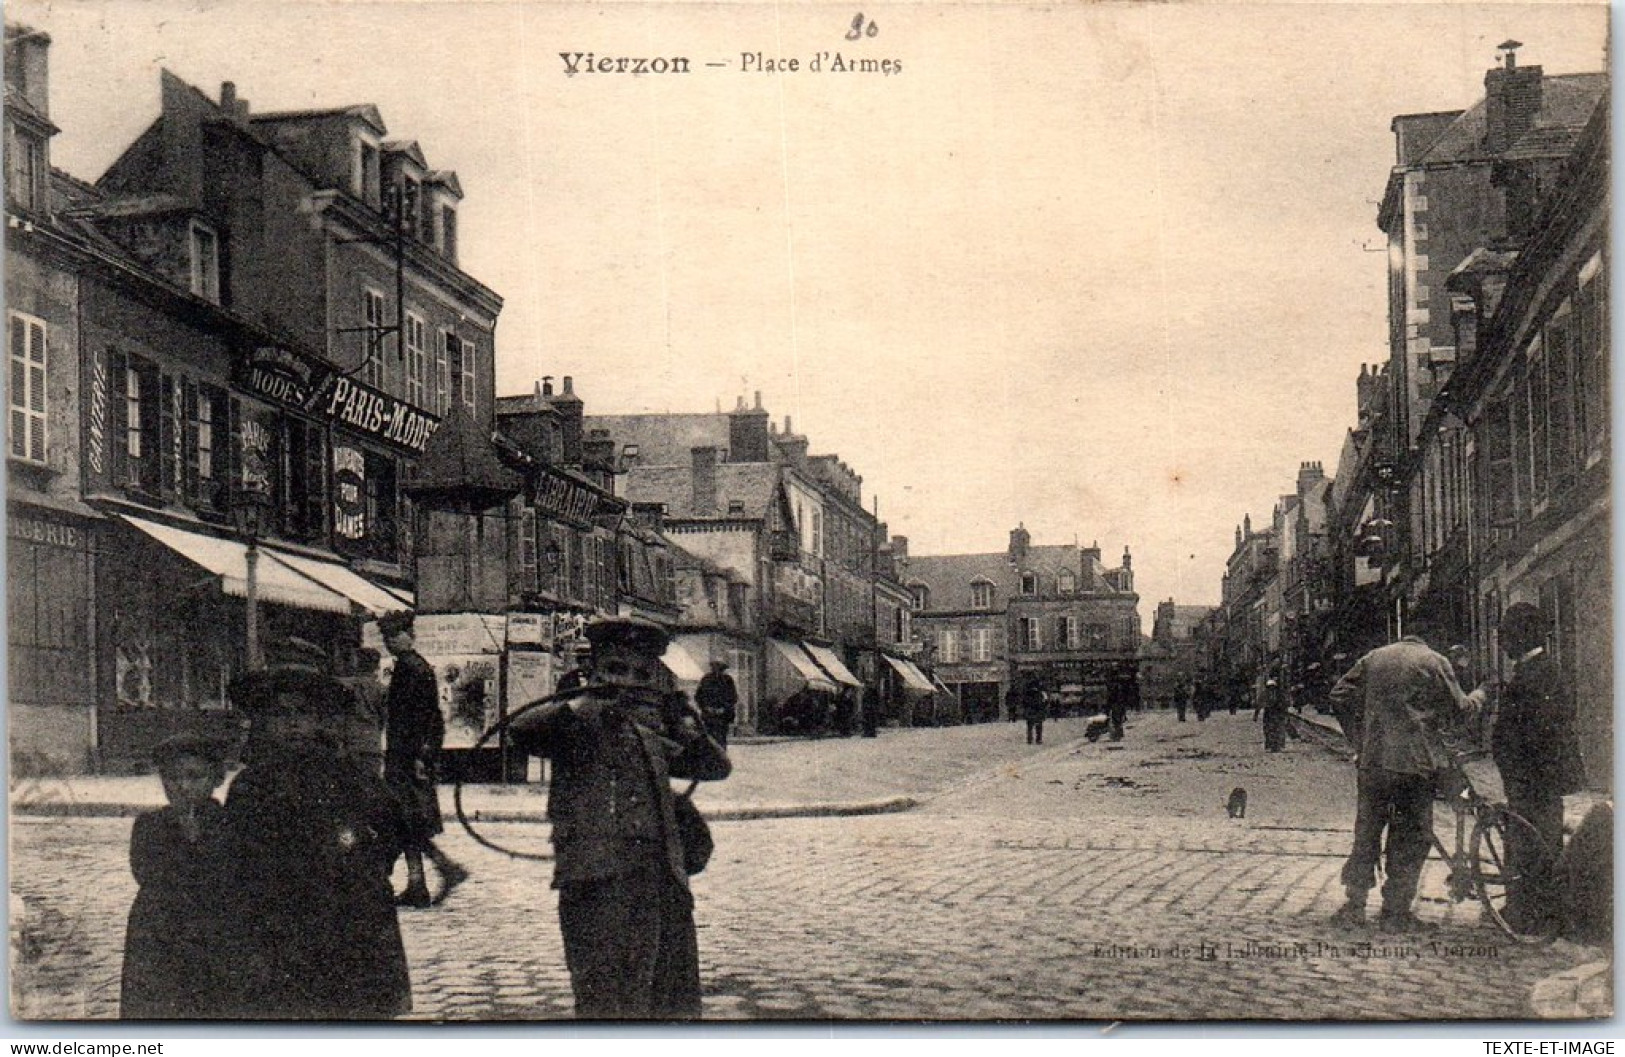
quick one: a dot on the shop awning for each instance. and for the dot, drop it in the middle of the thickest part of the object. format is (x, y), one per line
(681, 663)
(274, 583)
(803, 665)
(913, 678)
(831, 662)
(363, 592)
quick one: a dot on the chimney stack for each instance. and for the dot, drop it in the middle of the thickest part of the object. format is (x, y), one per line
(1020, 540)
(569, 406)
(748, 432)
(705, 481)
(1512, 98)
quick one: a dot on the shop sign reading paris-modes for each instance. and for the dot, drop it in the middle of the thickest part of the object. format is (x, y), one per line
(286, 377)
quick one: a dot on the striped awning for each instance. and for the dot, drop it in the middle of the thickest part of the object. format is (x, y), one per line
(913, 678)
(830, 661)
(274, 582)
(803, 665)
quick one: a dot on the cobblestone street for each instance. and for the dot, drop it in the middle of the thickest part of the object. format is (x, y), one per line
(1078, 880)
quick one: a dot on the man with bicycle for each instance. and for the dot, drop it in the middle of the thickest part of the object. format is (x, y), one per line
(1393, 705)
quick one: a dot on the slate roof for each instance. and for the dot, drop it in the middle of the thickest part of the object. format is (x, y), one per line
(460, 460)
(949, 577)
(1566, 103)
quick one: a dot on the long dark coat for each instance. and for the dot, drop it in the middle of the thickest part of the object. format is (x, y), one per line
(414, 733)
(172, 945)
(313, 837)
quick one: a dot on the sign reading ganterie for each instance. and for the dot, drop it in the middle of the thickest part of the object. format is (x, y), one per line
(294, 380)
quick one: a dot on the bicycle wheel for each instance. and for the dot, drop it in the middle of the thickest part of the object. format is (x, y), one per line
(1494, 875)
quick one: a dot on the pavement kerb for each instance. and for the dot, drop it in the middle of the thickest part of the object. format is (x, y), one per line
(744, 813)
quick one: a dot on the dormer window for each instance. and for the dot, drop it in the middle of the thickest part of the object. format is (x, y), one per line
(1029, 583)
(448, 231)
(920, 595)
(205, 252)
(25, 169)
(365, 171)
(981, 595)
(1069, 582)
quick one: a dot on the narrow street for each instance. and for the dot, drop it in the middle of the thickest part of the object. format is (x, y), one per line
(1076, 880)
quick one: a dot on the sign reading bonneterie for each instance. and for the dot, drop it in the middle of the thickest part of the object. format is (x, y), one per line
(289, 378)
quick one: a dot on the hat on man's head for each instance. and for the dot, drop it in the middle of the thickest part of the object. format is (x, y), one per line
(1523, 626)
(395, 623)
(719, 664)
(282, 691)
(628, 633)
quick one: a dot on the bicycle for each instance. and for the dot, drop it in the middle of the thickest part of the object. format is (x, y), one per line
(1479, 865)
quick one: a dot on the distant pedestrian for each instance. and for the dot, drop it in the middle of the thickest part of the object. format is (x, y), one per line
(718, 698)
(1202, 695)
(173, 960)
(1271, 705)
(313, 933)
(1394, 706)
(1034, 709)
(1182, 696)
(416, 731)
(871, 711)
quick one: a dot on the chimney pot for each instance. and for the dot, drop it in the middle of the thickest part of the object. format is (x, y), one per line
(228, 97)
(758, 399)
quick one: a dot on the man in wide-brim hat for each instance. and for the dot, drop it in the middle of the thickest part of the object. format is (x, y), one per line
(625, 908)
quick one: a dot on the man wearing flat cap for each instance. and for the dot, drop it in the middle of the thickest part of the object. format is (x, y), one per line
(311, 838)
(625, 908)
(414, 732)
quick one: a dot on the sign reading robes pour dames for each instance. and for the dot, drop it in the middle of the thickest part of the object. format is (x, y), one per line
(349, 492)
(292, 379)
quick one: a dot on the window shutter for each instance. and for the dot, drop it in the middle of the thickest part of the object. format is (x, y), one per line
(189, 439)
(527, 550)
(315, 480)
(234, 449)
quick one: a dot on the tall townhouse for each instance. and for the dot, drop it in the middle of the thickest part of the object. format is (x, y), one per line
(1052, 612)
(52, 678)
(1532, 392)
(1465, 188)
(244, 406)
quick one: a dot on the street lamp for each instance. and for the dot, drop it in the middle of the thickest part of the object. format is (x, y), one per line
(250, 511)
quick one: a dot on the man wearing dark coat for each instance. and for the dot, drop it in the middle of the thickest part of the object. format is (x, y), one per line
(718, 699)
(1394, 706)
(625, 908)
(311, 839)
(1034, 709)
(414, 732)
(1536, 751)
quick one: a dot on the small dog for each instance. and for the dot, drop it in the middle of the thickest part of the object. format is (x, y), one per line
(1096, 726)
(1236, 806)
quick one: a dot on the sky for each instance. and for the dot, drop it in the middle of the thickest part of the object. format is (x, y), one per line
(1105, 271)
